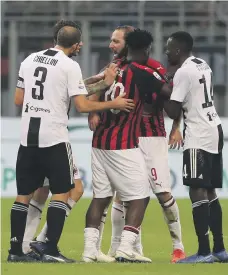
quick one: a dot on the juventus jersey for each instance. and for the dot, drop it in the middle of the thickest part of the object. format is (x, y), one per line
(49, 79)
(192, 85)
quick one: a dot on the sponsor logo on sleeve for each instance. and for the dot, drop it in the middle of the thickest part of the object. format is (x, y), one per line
(157, 76)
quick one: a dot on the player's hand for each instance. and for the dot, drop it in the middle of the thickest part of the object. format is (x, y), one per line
(110, 74)
(175, 139)
(123, 104)
(93, 121)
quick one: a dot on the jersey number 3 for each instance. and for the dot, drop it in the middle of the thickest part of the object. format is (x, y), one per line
(39, 83)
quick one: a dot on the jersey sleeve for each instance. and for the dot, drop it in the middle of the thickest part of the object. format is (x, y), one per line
(76, 84)
(181, 85)
(20, 79)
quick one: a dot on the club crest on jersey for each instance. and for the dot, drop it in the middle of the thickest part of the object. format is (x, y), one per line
(159, 68)
(157, 75)
(81, 84)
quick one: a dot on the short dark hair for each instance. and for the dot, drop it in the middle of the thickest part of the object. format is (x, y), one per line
(63, 23)
(139, 39)
(68, 36)
(184, 39)
(126, 29)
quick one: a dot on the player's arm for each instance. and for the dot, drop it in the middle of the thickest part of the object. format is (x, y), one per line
(94, 79)
(84, 105)
(100, 87)
(96, 85)
(77, 89)
(175, 136)
(20, 89)
(181, 86)
(19, 96)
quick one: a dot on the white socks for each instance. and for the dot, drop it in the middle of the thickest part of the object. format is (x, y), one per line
(138, 243)
(118, 222)
(172, 218)
(101, 228)
(42, 236)
(32, 223)
(128, 238)
(91, 236)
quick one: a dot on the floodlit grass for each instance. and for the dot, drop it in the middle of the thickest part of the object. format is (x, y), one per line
(155, 236)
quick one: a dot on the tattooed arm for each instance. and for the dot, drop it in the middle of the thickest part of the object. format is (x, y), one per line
(94, 79)
(97, 88)
(100, 87)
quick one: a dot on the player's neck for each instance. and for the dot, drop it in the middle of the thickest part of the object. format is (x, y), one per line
(66, 51)
(184, 57)
(139, 58)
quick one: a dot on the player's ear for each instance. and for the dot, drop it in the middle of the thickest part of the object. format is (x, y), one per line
(74, 47)
(177, 51)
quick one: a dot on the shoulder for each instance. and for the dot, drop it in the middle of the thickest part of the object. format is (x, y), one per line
(155, 64)
(145, 73)
(182, 72)
(28, 59)
(70, 65)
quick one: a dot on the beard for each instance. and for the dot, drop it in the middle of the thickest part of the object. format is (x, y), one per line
(121, 54)
(73, 54)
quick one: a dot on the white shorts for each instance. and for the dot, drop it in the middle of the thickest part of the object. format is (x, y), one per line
(76, 175)
(155, 152)
(123, 171)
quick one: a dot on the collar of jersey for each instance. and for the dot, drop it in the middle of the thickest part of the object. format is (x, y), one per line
(187, 60)
(55, 49)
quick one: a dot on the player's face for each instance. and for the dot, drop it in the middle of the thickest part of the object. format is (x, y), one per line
(75, 49)
(117, 44)
(172, 52)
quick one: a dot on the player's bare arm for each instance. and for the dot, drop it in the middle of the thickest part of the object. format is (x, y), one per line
(173, 108)
(100, 87)
(97, 88)
(84, 105)
(175, 137)
(19, 96)
(166, 90)
(93, 120)
(93, 79)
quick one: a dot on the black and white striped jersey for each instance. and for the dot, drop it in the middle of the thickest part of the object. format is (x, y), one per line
(193, 86)
(49, 79)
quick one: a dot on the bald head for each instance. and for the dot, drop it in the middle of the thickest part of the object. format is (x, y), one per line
(68, 36)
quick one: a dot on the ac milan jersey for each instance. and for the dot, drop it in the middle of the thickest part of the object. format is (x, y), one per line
(152, 122)
(119, 130)
(49, 78)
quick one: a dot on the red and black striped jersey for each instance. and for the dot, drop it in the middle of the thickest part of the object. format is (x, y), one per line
(152, 122)
(119, 130)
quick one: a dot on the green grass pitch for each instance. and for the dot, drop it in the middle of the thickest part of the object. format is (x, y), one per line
(155, 236)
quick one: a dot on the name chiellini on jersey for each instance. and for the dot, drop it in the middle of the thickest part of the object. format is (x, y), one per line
(193, 86)
(49, 79)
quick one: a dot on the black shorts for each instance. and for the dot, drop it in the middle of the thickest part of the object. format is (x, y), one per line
(34, 164)
(202, 169)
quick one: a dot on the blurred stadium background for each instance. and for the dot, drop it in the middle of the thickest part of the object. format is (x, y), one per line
(27, 26)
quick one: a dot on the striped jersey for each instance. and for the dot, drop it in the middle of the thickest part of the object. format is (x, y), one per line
(49, 79)
(152, 123)
(119, 130)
